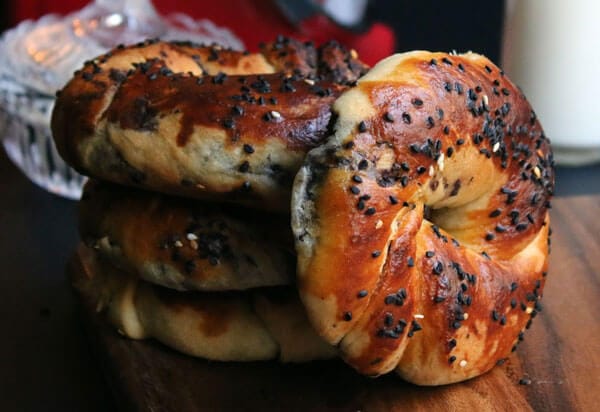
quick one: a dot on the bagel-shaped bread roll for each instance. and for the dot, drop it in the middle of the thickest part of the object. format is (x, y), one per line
(183, 244)
(263, 324)
(421, 227)
(201, 121)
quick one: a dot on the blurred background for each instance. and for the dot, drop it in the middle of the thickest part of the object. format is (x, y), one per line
(425, 24)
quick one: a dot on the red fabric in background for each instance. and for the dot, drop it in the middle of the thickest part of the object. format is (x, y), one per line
(252, 21)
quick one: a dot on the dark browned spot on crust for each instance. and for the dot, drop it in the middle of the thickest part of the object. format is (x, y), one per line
(301, 120)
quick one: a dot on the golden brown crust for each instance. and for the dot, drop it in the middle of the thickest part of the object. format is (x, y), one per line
(200, 121)
(181, 244)
(427, 203)
(81, 102)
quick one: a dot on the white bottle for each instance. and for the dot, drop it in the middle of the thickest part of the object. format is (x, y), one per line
(552, 51)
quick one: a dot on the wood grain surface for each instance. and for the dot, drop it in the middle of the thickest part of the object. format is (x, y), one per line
(560, 355)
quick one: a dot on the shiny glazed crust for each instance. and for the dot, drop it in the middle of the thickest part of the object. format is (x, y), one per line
(201, 121)
(421, 226)
(237, 326)
(183, 244)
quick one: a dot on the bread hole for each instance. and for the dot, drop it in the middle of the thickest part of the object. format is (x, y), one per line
(455, 222)
(439, 216)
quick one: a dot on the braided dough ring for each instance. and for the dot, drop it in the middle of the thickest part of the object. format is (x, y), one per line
(262, 324)
(421, 226)
(202, 121)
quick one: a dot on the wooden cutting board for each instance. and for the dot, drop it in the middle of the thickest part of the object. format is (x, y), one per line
(560, 355)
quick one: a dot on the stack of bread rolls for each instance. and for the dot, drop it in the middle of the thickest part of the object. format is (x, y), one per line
(192, 151)
(417, 196)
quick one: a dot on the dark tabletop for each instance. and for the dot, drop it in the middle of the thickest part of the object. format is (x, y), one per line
(46, 361)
